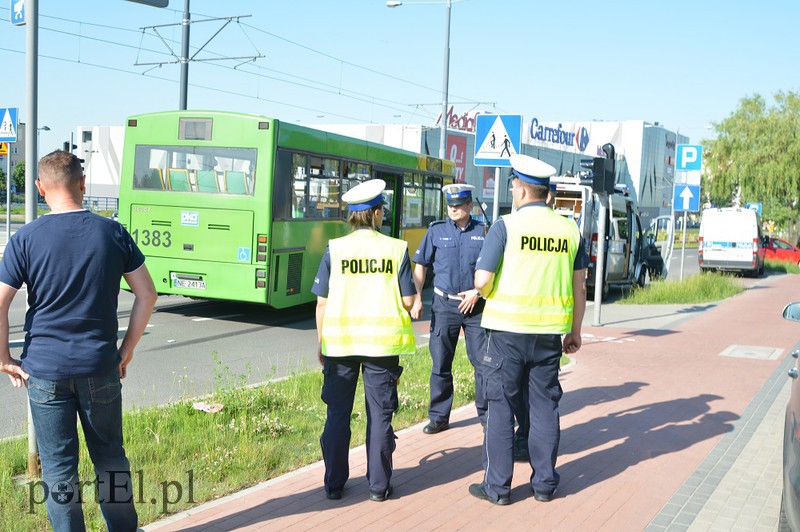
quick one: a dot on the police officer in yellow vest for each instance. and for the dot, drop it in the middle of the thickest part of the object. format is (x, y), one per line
(364, 291)
(532, 273)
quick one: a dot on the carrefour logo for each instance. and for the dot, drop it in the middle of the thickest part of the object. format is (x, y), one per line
(557, 135)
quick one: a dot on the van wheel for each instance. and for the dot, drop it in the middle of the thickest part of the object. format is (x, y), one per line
(642, 277)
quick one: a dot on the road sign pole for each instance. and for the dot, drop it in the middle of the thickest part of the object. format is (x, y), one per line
(599, 266)
(8, 194)
(496, 200)
(683, 245)
(32, 100)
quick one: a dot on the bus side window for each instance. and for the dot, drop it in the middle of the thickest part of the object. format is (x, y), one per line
(235, 182)
(152, 180)
(178, 179)
(207, 181)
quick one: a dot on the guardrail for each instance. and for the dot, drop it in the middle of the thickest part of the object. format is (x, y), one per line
(100, 203)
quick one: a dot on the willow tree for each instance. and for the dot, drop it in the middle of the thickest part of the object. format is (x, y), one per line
(756, 158)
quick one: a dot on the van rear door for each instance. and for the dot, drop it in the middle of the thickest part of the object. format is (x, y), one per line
(659, 241)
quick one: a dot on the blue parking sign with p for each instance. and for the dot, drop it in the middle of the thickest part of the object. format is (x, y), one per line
(689, 157)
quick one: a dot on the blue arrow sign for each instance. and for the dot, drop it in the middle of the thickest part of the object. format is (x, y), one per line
(686, 198)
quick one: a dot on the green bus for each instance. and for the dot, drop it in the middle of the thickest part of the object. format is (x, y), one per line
(240, 207)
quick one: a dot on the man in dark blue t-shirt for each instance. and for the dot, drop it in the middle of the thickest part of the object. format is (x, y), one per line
(71, 262)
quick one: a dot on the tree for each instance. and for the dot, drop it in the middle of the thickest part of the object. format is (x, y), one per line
(18, 176)
(756, 158)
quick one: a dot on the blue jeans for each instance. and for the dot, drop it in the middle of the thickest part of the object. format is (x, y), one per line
(55, 409)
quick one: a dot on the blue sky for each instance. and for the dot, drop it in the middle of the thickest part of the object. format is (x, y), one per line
(684, 63)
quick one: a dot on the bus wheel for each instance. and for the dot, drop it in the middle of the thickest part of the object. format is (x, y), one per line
(642, 277)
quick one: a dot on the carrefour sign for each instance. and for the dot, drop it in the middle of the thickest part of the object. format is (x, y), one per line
(557, 135)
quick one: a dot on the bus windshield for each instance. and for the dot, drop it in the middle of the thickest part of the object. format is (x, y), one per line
(195, 169)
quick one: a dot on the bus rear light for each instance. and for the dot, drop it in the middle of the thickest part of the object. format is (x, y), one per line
(593, 248)
(262, 249)
(261, 278)
(132, 123)
(261, 257)
(261, 284)
(262, 239)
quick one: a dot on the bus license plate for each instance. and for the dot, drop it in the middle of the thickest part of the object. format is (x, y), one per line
(187, 283)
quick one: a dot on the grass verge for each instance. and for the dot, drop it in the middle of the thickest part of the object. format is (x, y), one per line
(181, 457)
(780, 266)
(698, 288)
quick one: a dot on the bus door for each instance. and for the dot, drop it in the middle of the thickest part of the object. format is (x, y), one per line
(394, 200)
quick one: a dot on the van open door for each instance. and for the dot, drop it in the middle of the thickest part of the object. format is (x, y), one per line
(659, 240)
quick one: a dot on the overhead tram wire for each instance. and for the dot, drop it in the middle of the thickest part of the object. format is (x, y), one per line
(265, 32)
(196, 85)
(316, 84)
(313, 84)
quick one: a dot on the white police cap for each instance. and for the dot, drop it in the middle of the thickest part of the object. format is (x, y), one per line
(365, 195)
(531, 170)
(457, 193)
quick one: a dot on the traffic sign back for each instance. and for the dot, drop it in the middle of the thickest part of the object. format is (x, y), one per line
(497, 138)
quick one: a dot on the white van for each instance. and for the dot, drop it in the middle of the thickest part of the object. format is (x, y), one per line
(731, 240)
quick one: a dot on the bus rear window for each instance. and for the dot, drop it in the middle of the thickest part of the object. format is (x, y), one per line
(195, 169)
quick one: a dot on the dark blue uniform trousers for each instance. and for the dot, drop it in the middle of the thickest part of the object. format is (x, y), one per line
(338, 392)
(509, 356)
(446, 324)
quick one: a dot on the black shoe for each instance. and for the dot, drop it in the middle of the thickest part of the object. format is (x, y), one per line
(521, 451)
(333, 495)
(435, 427)
(380, 496)
(543, 496)
(479, 491)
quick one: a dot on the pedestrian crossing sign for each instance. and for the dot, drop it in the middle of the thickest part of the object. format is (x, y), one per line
(8, 124)
(497, 138)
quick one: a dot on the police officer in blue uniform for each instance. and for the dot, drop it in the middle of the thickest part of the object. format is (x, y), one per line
(362, 276)
(451, 248)
(532, 272)
(521, 412)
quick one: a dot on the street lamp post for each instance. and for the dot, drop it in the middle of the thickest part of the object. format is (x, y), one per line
(446, 70)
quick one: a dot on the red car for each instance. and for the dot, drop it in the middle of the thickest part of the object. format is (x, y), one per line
(779, 249)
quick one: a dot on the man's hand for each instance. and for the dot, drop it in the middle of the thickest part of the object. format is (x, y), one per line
(15, 372)
(416, 310)
(469, 298)
(124, 359)
(572, 342)
(319, 355)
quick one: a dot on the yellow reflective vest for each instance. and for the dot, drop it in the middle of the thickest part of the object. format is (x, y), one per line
(364, 314)
(532, 291)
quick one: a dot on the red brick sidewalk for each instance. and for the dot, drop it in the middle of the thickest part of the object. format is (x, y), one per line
(641, 410)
